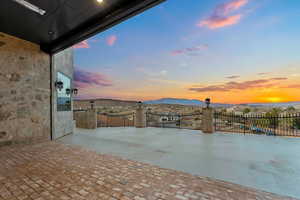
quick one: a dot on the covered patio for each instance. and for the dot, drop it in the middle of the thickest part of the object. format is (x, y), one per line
(262, 162)
(40, 158)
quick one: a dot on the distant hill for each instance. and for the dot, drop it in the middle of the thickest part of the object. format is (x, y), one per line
(85, 103)
(195, 102)
(191, 102)
(284, 104)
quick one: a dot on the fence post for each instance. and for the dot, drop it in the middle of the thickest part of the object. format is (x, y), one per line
(91, 119)
(140, 121)
(207, 120)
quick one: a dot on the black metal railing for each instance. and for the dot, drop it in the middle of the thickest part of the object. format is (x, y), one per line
(276, 125)
(173, 120)
(115, 120)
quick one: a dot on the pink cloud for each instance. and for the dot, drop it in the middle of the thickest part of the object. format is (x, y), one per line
(232, 85)
(220, 16)
(296, 86)
(82, 45)
(111, 40)
(228, 7)
(177, 52)
(215, 22)
(278, 79)
(86, 79)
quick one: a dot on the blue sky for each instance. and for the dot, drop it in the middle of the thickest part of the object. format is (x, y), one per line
(233, 51)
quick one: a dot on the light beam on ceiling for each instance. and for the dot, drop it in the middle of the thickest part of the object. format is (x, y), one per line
(30, 6)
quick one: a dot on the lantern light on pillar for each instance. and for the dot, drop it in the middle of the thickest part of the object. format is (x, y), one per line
(207, 102)
(68, 91)
(140, 104)
(92, 104)
(75, 91)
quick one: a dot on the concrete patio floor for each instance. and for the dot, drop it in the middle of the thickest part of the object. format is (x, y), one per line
(53, 171)
(263, 162)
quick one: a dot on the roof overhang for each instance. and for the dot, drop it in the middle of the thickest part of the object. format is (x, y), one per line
(65, 22)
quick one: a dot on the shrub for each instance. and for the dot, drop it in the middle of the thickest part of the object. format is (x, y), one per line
(246, 110)
(296, 123)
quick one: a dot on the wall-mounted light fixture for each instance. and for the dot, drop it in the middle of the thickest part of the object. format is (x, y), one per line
(59, 85)
(92, 104)
(75, 91)
(207, 102)
(30, 6)
(68, 91)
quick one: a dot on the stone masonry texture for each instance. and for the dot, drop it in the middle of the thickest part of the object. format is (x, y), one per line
(140, 117)
(61, 172)
(24, 91)
(86, 119)
(207, 120)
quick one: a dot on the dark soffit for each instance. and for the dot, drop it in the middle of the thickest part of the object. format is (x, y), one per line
(66, 22)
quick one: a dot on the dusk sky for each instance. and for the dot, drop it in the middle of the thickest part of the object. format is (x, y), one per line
(233, 51)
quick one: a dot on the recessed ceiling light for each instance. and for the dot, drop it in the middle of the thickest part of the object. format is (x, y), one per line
(30, 6)
(100, 1)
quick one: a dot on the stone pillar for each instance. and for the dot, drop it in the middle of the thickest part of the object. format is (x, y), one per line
(207, 120)
(91, 119)
(140, 117)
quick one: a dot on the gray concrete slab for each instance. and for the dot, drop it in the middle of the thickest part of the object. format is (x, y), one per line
(264, 162)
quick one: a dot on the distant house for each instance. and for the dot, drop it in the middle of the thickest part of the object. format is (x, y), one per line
(169, 117)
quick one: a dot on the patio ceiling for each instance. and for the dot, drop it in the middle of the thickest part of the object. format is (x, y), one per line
(65, 22)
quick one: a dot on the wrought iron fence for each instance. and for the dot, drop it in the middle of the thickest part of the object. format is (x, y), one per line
(115, 120)
(276, 125)
(174, 120)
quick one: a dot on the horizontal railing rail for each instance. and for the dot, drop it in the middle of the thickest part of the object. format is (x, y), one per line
(115, 114)
(80, 110)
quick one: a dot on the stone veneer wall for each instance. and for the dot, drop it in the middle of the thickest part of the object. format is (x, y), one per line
(24, 91)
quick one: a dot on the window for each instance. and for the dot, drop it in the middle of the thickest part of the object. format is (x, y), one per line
(64, 95)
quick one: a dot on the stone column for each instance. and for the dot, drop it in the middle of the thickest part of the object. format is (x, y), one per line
(207, 120)
(91, 119)
(140, 116)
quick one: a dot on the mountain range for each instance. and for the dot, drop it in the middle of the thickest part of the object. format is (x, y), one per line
(192, 102)
(195, 102)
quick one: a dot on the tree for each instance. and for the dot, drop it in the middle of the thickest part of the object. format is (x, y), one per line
(296, 123)
(272, 117)
(290, 109)
(223, 110)
(246, 110)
